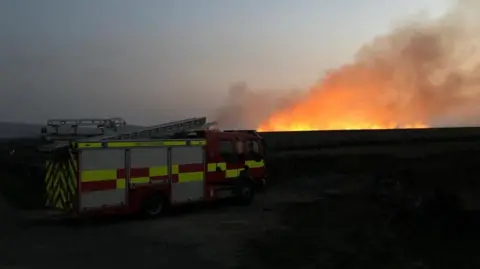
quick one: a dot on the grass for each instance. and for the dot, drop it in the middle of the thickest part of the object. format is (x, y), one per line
(347, 239)
(21, 173)
(356, 231)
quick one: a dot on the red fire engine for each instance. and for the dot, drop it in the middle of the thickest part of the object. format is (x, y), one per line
(145, 170)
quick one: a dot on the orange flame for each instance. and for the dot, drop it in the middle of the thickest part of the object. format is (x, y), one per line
(272, 126)
(305, 116)
(349, 99)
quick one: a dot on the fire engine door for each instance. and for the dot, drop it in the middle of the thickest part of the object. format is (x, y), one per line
(231, 153)
(102, 178)
(187, 173)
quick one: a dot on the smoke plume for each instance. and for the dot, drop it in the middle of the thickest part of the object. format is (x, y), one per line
(245, 108)
(426, 70)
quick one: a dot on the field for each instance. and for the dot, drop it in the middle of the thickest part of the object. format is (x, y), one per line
(318, 213)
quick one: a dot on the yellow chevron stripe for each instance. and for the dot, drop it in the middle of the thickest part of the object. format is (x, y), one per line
(60, 182)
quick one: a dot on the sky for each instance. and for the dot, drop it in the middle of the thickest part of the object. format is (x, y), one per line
(154, 61)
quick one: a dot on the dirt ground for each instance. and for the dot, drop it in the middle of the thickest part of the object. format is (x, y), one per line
(214, 236)
(311, 227)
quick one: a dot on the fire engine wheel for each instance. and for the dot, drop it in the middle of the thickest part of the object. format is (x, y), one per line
(154, 205)
(245, 192)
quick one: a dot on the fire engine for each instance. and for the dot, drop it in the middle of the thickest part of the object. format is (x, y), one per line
(99, 166)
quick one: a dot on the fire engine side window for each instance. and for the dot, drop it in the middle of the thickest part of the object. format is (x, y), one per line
(239, 145)
(227, 151)
(253, 149)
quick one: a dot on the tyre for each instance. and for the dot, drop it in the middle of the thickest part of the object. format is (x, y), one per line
(245, 192)
(261, 186)
(154, 205)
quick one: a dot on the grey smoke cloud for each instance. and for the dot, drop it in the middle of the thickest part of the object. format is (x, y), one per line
(245, 108)
(424, 70)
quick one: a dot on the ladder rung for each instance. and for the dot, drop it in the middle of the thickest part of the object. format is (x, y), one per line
(81, 128)
(187, 130)
(86, 122)
(111, 129)
(157, 130)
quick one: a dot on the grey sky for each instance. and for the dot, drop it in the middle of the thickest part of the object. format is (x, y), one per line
(151, 61)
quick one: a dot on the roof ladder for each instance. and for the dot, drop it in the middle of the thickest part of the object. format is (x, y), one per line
(158, 130)
(68, 129)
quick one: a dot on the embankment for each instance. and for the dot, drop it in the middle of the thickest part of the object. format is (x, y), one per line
(425, 153)
(308, 140)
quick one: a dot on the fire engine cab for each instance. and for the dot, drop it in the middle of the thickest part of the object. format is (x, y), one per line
(117, 170)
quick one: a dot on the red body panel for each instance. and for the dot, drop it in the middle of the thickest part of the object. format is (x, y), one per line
(138, 194)
(214, 156)
(98, 185)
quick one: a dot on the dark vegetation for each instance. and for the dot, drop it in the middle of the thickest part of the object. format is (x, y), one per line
(309, 140)
(21, 172)
(351, 232)
(358, 227)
